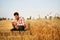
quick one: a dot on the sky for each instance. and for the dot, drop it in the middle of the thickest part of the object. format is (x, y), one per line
(28, 8)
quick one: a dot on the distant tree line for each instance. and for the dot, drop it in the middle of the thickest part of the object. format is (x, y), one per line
(50, 17)
(57, 17)
(46, 17)
(29, 18)
(3, 18)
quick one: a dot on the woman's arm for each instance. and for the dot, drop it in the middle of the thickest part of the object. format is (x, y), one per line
(14, 24)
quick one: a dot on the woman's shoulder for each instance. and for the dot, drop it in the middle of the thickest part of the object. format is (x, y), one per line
(21, 17)
(13, 20)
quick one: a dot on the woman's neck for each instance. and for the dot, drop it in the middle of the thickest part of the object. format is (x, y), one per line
(17, 19)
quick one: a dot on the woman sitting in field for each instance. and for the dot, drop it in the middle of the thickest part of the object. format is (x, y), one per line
(18, 23)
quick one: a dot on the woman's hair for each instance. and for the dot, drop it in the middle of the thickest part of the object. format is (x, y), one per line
(16, 13)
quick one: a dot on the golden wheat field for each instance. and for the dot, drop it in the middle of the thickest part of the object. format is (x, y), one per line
(42, 29)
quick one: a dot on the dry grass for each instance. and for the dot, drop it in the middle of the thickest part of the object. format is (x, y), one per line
(42, 29)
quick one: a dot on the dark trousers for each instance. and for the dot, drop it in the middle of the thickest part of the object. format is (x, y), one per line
(20, 28)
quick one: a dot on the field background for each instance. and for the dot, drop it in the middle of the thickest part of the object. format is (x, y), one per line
(39, 29)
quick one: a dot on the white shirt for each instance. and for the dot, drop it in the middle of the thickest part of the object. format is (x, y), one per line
(20, 22)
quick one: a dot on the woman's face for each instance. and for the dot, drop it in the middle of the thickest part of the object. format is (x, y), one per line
(16, 17)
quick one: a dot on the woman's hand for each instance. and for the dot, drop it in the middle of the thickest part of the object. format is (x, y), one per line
(14, 23)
